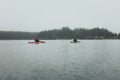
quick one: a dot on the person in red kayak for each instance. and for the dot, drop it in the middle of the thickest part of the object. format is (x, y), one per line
(37, 40)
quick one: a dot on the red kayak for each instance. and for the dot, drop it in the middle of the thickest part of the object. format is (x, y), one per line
(36, 42)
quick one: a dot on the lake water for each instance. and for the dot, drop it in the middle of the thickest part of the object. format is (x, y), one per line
(60, 60)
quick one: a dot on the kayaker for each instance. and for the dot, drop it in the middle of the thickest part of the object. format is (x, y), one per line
(75, 39)
(37, 40)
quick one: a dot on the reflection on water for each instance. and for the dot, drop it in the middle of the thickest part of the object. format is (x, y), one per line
(60, 60)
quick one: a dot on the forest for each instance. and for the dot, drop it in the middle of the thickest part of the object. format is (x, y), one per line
(63, 33)
(16, 35)
(80, 33)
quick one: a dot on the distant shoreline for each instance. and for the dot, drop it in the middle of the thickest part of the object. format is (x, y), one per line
(63, 33)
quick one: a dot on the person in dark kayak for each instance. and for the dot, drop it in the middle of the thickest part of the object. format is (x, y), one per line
(75, 39)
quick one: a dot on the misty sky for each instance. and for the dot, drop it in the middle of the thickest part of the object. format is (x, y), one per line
(39, 15)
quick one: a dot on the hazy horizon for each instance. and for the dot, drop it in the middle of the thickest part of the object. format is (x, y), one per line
(59, 29)
(39, 15)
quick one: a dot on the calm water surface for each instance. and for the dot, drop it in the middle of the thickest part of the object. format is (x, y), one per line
(60, 60)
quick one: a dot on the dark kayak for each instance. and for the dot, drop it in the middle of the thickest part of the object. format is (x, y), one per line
(75, 42)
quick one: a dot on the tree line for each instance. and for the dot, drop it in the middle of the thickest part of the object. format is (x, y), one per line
(63, 33)
(80, 33)
(16, 35)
